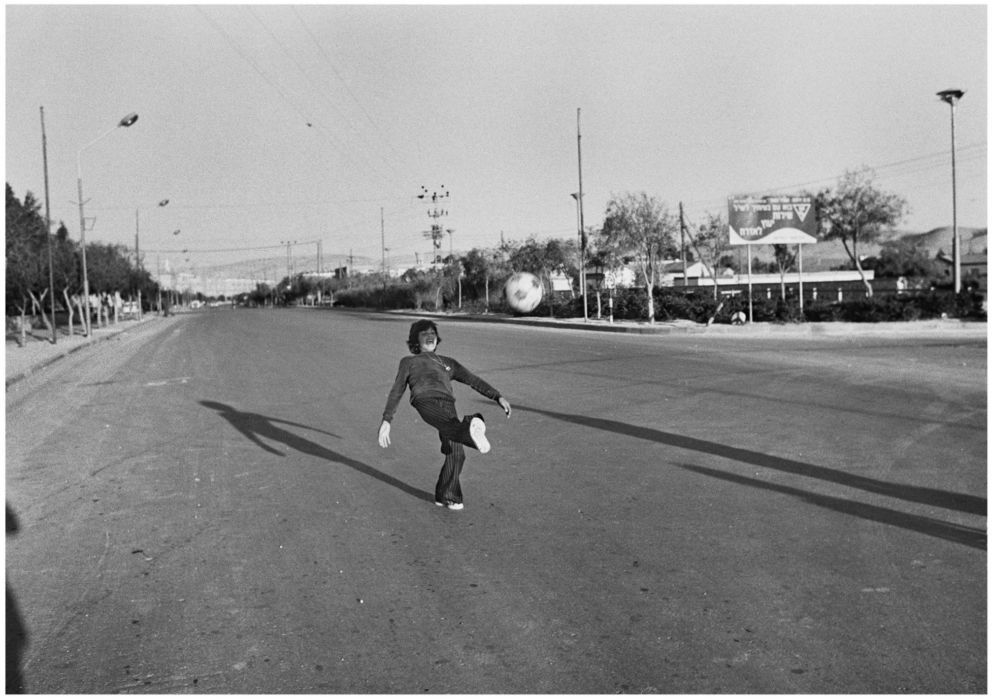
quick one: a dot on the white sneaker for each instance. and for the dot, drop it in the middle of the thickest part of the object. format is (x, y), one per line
(455, 506)
(477, 430)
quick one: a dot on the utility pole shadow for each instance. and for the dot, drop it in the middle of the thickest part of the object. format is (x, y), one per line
(964, 503)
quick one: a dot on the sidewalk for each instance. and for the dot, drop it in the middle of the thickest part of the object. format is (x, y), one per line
(39, 352)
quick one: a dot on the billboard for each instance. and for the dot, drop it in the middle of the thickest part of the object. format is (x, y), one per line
(772, 219)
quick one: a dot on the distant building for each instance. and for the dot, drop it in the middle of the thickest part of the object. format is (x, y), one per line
(674, 273)
(973, 267)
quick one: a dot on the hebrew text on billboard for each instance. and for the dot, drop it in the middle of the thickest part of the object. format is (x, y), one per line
(772, 219)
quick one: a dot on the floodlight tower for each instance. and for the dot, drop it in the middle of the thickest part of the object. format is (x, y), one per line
(438, 198)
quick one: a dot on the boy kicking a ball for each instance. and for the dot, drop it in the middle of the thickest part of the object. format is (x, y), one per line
(429, 377)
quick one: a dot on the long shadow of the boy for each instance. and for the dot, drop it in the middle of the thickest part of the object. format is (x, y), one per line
(255, 426)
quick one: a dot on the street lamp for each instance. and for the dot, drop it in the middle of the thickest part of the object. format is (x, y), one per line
(137, 250)
(951, 97)
(48, 227)
(582, 228)
(125, 122)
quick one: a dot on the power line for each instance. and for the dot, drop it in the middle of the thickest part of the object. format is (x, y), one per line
(265, 205)
(286, 98)
(331, 64)
(248, 59)
(972, 151)
(318, 88)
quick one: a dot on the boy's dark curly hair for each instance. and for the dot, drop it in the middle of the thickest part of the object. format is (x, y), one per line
(418, 327)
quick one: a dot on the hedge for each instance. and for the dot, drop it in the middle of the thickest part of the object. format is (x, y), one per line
(698, 306)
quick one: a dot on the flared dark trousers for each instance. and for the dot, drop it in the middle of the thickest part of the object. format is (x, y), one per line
(454, 434)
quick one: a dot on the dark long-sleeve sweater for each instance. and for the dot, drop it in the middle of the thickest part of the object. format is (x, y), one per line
(430, 376)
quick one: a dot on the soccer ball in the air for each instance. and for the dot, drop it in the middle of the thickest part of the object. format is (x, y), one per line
(523, 292)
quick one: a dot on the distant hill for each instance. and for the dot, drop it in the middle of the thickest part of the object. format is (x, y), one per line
(973, 240)
(274, 268)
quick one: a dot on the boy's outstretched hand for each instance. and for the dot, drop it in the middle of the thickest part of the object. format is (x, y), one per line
(505, 405)
(384, 434)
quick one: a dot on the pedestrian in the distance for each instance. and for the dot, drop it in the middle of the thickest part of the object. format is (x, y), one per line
(430, 377)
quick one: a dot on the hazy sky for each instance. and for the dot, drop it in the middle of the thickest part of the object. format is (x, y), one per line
(271, 123)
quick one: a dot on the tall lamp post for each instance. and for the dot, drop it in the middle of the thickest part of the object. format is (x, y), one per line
(951, 97)
(48, 226)
(582, 229)
(125, 122)
(137, 249)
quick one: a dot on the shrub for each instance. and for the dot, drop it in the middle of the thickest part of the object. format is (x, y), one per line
(822, 311)
(671, 305)
(911, 307)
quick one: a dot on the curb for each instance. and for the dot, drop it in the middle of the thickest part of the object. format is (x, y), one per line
(42, 364)
(956, 327)
(45, 363)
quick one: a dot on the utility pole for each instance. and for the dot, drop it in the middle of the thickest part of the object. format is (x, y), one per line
(682, 243)
(48, 223)
(289, 272)
(582, 227)
(382, 233)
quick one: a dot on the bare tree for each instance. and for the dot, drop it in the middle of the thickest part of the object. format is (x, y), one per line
(640, 227)
(784, 260)
(710, 242)
(856, 212)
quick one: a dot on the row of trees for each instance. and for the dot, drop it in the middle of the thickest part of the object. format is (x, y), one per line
(40, 264)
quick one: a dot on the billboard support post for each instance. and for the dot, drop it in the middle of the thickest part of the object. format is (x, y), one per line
(799, 253)
(748, 249)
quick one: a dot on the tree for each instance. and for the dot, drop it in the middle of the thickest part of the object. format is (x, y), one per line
(65, 261)
(711, 242)
(856, 212)
(481, 267)
(109, 269)
(783, 259)
(542, 259)
(26, 247)
(904, 258)
(425, 285)
(640, 227)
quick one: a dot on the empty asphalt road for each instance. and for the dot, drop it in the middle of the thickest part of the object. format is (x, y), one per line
(201, 506)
